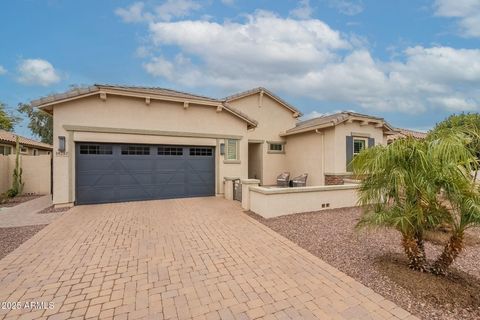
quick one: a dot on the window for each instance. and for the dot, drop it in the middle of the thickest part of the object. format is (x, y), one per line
(207, 152)
(5, 150)
(275, 147)
(23, 150)
(170, 151)
(95, 149)
(358, 146)
(35, 152)
(136, 150)
(231, 152)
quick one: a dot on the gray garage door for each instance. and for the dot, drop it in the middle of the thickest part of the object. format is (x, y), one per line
(117, 172)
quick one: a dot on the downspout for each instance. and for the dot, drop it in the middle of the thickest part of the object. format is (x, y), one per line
(323, 153)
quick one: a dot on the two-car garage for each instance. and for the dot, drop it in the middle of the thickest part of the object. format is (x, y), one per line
(127, 172)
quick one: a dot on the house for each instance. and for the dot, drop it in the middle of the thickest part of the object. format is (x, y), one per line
(122, 143)
(27, 146)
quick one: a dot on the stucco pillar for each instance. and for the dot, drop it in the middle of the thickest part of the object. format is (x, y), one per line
(246, 184)
(228, 187)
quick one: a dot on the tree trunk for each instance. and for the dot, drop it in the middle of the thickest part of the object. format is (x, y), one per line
(415, 251)
(450, 252)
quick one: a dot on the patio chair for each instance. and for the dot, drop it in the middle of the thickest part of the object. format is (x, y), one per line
(300, 181)
(283, 179)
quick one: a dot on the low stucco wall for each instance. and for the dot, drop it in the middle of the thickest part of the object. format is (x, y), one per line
(275, 202)
(36, 173)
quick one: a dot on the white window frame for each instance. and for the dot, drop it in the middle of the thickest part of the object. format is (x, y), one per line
(281, 143)
(365, 145)
(228, 146)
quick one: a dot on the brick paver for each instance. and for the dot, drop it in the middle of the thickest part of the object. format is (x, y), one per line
(25, 214)
(198, 258)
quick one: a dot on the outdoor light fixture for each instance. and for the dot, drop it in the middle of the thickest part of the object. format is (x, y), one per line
(222, 148)
(61, 143)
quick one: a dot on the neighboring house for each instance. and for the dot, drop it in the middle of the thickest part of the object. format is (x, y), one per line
(403, 133)
(27, 146)
(120, 143)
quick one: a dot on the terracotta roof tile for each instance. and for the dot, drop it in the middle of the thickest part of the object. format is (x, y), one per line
(10, 138)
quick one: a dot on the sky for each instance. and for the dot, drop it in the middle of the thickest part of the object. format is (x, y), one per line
(412, 62)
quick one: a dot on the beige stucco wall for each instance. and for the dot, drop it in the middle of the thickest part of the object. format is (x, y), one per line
(35, 173)
(335, 143)
(159, 117)
(273, 119)
(305, 154)
(4, 174)
(271, 203)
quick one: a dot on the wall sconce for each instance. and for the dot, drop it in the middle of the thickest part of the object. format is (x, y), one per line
(61, 143)
(222, 148)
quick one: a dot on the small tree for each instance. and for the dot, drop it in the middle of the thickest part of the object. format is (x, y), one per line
(7, 121)
(415, 185)
(17, 184)
(41, 123)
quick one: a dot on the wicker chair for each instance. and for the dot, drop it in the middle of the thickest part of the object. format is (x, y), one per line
(300, 181)
(283, 179)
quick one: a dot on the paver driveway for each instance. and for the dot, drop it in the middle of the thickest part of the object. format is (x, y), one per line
(198, 258)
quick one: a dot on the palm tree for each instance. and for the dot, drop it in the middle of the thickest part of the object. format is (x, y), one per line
(453, 161)
(415, 185)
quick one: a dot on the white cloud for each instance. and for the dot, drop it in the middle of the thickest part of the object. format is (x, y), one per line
(347, 7)
(466, 11)
(37, 72)
(308, 58)
(2, 70)
(303, 11)
(134, 13)
(176, 8)
(164, 12)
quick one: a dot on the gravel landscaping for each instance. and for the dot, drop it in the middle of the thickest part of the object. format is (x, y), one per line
(375, 258)
(52, 209)
(11, 238)
(12, 202)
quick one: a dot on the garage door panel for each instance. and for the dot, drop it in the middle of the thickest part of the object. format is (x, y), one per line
(139, 172)
(96, 179)
(96, 194)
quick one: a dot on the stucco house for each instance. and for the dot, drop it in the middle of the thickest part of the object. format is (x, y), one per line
(122, 143)
(27, 146)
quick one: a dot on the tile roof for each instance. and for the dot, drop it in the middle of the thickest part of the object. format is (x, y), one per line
(330, 120)
(10, 138)
(402, 133)
(97, 87)
(271, 94)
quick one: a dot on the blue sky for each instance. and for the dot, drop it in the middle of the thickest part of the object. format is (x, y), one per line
(411, 62)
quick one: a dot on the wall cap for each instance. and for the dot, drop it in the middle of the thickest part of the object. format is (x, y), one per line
(338, 174)
(250, 181)
(269, 191)
(230, 178)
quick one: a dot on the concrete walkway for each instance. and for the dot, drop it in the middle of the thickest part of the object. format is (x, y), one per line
(25, 214)
(200, 258)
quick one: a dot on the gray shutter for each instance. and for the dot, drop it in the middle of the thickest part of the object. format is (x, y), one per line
(371, 142)
(349, 150)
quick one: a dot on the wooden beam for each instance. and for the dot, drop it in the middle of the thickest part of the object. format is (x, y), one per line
(219, 108)
(364, 123)
(350, 120)
(379, 125)
(185, 105)
(260, 99)
(103, 96)
(147, 101)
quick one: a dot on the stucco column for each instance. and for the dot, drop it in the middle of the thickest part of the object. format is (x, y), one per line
(246, 184)
(228, 187)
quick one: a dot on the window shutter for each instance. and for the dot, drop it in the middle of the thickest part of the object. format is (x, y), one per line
(349, 152)
(371, 142)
